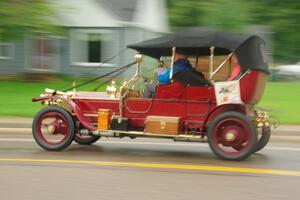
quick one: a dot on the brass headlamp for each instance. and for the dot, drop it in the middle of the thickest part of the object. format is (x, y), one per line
(262, 119)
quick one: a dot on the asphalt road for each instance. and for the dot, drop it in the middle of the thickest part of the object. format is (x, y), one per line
(143, 169)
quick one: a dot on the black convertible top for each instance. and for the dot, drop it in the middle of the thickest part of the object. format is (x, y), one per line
(249, 49)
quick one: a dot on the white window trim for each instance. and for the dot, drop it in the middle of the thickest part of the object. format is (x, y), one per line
(87, 64)
(92, 64)
(11, 53)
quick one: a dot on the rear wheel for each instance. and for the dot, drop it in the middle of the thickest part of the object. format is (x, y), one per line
(264, 138)
(232, 136)
(53, 128)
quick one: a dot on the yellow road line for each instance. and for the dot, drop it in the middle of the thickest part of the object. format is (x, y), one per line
(164, 166)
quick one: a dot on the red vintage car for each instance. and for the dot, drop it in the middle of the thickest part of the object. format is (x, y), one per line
(221, 112)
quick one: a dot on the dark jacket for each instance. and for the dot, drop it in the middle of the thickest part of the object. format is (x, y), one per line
(179, 65)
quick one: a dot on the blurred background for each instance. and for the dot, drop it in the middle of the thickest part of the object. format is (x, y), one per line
(50, 43)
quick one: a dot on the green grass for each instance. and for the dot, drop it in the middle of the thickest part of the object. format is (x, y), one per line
(281, 100)
(15, 97)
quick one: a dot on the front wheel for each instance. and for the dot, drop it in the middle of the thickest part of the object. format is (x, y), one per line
(53, 128)
(232, 136)
(85, 139)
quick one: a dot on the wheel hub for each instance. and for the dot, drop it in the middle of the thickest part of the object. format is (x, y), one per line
(50, 129)
(230, 136)
(233, 136)
(54, 128)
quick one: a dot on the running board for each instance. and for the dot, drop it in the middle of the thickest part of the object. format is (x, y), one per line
(133, 134)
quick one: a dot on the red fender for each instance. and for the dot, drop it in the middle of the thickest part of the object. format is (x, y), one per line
(85, 123)
(221, 109)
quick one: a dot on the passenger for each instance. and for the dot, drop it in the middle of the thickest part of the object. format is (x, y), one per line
(181, 63)
(160, 69)
(237, 70)
(235, 73)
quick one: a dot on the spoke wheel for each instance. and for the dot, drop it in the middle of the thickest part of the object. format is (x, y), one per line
(53, 128)
(232, 136)
(263, 139)
(85, 139)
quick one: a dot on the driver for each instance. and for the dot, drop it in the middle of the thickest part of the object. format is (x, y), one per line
(181, 63)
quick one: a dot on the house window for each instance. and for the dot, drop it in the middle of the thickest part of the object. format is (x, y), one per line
(94, 48)
(87, 49)
(6, 51)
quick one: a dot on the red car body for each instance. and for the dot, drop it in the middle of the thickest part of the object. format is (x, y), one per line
(231, 129)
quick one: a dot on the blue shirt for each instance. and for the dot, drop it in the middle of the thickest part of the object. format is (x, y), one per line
(179, 65)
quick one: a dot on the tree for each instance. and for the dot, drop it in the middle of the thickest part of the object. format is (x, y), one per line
(231, 15)
(20, 17)
(184, 13)
(283, 17)
(235, 15)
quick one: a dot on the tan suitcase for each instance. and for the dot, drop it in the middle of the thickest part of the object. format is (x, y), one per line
(163, 125)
